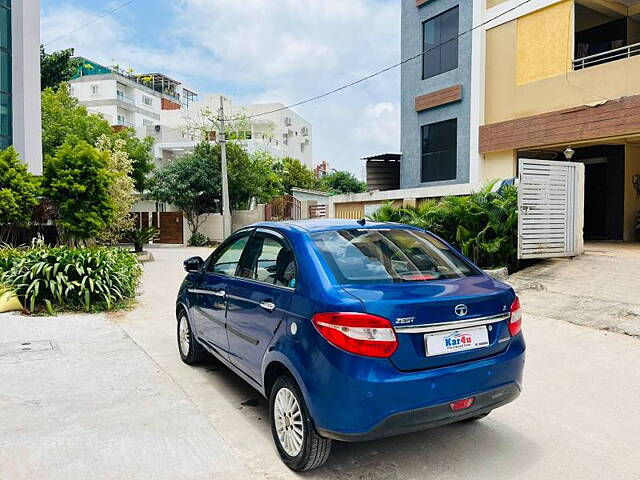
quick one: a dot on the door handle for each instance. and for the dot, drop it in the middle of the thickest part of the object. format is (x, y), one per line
(268, 306)
(219, 293)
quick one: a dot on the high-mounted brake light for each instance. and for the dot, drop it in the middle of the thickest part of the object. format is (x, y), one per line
(515, 321)
(358, 333)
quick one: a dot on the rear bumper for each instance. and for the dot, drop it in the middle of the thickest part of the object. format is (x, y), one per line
(354, 398)
(429, 417)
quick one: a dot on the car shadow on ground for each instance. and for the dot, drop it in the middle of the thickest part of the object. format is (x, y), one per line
(487, 448)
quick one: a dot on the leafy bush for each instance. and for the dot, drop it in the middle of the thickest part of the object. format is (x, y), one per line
(19, 191)
(199, 240)
(78, 181)
(484, 225)
(62, 278)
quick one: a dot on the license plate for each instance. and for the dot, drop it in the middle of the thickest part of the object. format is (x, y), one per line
(452, 341)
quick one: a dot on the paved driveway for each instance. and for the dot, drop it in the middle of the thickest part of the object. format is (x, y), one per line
(119, 403)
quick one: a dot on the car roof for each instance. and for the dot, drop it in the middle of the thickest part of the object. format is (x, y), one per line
(325, 224)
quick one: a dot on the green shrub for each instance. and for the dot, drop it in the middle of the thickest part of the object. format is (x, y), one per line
(483, 225)
(199, 240)
(62, 278)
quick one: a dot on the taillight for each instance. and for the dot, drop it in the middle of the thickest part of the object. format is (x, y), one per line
(515, 321)
(358, 333)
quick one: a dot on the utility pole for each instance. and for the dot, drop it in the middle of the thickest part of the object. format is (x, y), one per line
(226, 207)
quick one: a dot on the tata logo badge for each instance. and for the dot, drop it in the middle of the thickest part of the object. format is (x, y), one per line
(461, 310)
(404, 320)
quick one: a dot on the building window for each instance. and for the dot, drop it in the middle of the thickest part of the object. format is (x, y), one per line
(5, 75)
(95, 90)
(439, 151)
(147, 100)
(440, 44)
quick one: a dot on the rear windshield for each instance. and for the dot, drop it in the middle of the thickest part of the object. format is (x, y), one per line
(388, 256)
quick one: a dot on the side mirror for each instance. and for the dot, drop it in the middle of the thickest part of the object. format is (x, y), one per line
(193, 264)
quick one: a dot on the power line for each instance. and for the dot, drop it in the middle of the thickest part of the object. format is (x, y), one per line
(99, 17)
(386, 69)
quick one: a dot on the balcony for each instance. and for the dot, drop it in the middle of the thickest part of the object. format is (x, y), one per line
(608, 56)
(604, 32)
(126, 101)
(121, 122)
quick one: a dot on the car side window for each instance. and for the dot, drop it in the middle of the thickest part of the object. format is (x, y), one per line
(269, 260)
(226, 263)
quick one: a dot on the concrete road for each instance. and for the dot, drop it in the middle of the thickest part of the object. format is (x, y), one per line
(113, 400)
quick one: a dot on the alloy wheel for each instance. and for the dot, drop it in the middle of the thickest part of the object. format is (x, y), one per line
(288, 422)
(184, 336)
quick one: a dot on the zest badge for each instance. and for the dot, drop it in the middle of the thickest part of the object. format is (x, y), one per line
(404, 320)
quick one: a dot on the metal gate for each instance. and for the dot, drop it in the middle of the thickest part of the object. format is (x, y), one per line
(282, 208)
(551, 207)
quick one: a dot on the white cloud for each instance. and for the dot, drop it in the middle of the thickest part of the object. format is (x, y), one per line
(268, 50)
(380, 127)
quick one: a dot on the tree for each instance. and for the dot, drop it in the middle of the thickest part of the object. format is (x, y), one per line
(19, 190)
(121, 191)
(343, 182)
(252, 176)
(295, 174)
(140, 153)
(57, 67)
(191, 183)
(78, 181)
(65, 121)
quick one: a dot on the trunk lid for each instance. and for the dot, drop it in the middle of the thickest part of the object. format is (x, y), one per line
(415, 307)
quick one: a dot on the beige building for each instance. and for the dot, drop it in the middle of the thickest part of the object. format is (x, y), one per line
(550, 77)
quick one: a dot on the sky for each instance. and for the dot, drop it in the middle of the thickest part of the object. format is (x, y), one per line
(259, 51)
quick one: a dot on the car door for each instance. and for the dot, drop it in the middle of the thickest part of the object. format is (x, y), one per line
(210, 303)
(258, 299)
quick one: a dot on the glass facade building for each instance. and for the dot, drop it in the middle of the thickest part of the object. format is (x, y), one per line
(5, 74)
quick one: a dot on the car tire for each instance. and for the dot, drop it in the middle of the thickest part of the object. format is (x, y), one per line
(298, 443)
(191, 352)
(475, 419)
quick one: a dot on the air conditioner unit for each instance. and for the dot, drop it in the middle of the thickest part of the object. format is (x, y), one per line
(157, 128)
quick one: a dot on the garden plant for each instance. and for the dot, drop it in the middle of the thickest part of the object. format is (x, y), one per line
(50, 279)
(483, 225)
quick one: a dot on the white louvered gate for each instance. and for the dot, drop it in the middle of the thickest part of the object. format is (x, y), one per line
(551, 209)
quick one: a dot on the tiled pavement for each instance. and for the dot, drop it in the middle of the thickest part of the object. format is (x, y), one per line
(599, 289)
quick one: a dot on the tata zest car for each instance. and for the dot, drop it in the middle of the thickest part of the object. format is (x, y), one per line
(352, 330)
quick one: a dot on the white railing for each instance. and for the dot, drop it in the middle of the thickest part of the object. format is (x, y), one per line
(608, 56)
(124, 123)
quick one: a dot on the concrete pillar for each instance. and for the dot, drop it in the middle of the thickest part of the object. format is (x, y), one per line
(25, 77)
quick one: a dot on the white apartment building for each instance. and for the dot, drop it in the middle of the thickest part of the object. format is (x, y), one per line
(126, 99)
(20, 119)
(266, 127)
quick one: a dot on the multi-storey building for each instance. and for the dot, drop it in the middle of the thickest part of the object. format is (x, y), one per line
(126, 99)
(259, 127)
(436, 91)
(564, 76)
(496, 81)
(20, 119)
(321, 169)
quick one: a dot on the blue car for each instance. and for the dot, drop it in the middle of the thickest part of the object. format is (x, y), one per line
(353, 330)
